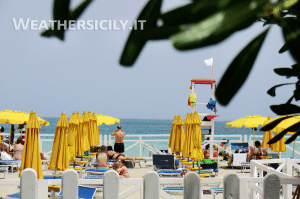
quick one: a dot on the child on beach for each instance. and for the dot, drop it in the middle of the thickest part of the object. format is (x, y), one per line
(121, 169)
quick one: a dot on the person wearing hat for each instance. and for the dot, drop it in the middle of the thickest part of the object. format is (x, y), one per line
(119, 139)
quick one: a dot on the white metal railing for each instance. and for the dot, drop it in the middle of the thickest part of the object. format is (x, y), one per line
(142, 141)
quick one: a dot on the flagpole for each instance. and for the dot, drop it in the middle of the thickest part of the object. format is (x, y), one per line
(212, 69)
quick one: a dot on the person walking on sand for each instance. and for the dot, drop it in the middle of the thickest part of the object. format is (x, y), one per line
(119, 139)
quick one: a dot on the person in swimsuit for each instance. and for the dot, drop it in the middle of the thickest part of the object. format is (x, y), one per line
(18, 149)
(102, 158)
(119, 139)
(120, 156)
(123, 170)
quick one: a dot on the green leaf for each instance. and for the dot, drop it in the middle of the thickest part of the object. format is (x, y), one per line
(73, 15)
(288, 72)
(137, 38)
(77, 12)
(283, 49)
(296, 68)
(291, 32)
(293, 128)
(273, 124)
(285, 109)
(160, 33)
(239, 69)
(271, 91)
(293, 137)
(61, 14)
(217, 26)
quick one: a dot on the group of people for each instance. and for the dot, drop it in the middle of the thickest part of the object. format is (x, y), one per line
(106, 152)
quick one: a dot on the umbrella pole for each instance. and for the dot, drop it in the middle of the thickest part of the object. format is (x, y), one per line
(294, 148)
(253, 137)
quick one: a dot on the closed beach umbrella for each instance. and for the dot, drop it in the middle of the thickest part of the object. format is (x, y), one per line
(196, 152)
(85, 129)
(18, 117)
(176, 139)
(71, 135)
(79, 138)
(279, 146)
(96, 130)
(31, 152)
(60, 158)
(187, 133)
(268, 135)
(252, 121)
(90, 130)
(106, 120)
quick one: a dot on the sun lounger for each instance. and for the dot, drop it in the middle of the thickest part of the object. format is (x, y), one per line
(85, 192)
(216, 191)
(95, 171)
(173, 190)
(11, 163)
(169, 172)
(12, 196)
(93, 177)
(4, 169)
(245, 165)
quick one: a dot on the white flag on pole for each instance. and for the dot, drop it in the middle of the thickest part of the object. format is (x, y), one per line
(208, 62)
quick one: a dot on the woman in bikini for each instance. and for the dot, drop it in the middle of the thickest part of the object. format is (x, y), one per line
(102, 158)
(121, 156)
(18, 149)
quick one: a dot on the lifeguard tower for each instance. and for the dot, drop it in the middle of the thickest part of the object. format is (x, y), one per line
(206, 118)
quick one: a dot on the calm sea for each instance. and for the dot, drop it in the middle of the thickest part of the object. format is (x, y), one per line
(147, 126)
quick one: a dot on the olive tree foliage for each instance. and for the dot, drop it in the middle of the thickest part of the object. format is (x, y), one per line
(202, 23)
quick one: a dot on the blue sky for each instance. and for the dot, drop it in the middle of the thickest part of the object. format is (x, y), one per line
(83, 72)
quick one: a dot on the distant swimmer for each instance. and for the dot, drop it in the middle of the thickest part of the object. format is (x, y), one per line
(119, 139)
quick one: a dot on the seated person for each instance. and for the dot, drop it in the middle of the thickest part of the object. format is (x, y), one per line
(237, 151)
(102, 158)
(121, 156)
(18, 149)
(258, 153)
(123, 170)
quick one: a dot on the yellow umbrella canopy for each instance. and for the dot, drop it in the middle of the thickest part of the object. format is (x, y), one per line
(252, 121)
(59, 159)
(279, 146)
(18, 117)
(268, 135)
(31, 152)
(197, 152)
(79, 138)
(96, 130)
(90, 129)
(85, 129)
(176, 139)
(71, 135)
(106, 120)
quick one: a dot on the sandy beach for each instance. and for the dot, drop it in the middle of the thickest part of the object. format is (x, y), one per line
(136, 172)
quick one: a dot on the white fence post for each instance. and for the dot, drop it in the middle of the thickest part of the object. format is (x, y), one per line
(28, 184)
(231, 186)
(69, 184)
(110, 140)
(111, 185)
(288, 169)
(191, 186)
(271, 187)
(105, 140)
(151, 185)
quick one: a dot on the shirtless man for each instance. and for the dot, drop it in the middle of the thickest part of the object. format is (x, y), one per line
(119, 139)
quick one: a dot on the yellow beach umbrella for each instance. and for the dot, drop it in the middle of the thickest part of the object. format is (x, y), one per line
(90, 129)
(79, 138)
(106, 120)
(85, 129)
(196, 152)
(18, 117)
(71, 135)
(31, 152)
(252, 121)
(187, 124)
(268, 135)
(279, 146)
(176, 139)
(96, 130)
(59, 159)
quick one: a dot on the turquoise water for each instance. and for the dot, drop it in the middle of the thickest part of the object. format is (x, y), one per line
(144, 127)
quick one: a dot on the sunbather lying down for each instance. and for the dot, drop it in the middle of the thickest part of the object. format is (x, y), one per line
(121, 156)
